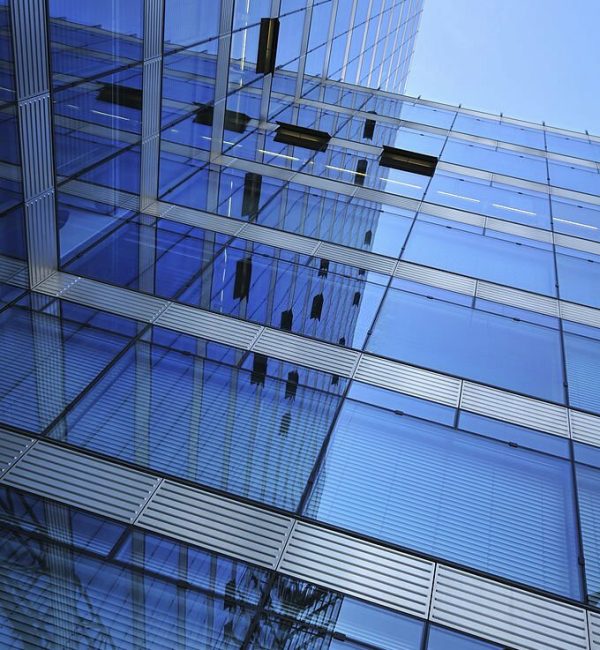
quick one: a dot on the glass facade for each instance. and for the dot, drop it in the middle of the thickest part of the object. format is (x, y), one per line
(283, 348)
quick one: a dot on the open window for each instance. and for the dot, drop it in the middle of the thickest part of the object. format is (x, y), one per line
(121, 95)
(243, 274)
(301, 136)
(267, 45)
(361, 172)
(251, 197)
(408, 161)
(234, 121)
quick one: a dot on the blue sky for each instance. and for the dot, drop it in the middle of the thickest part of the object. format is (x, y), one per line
(531, 59)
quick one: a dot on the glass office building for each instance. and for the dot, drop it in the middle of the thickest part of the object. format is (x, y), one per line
(289, 360)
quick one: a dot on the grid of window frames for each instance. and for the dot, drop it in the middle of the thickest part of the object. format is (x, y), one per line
(509, 204)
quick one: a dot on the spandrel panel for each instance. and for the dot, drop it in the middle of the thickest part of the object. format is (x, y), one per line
(48, 361)
(244, 432)
(446, 245)
(476, 345)
(435, 490)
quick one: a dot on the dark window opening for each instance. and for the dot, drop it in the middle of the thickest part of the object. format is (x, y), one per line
(369, 129)
(284, 427)
(323, 268)
(233, 120)
(300, 136)
(408, 161)
(287, 318)
(317, 307)
(121, 95)
(259, 369)
(356, 299)
(267, 45)
(251, 198)
(243, 274)
(368, 237)
(361, 172)
(291, 385)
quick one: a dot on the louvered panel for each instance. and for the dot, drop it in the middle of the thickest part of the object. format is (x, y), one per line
(307, 352)
(31, 47)
(575, 196)
(585, 427)
(385, 198)
(360, 259)
(151, 82)
(41, 237)
(199, 219)
(214, 327)
(116, 300)
(278, 238)
(435, 278)
(594, 626)
(515, 408)
(517, 298)
(217, 523)
(505, 614)
(520, 231)
(359, 568)
(408, 379)
(78, 480)
(580, 314)
(153, 28)
(464, 171)
(149, 155)
(57, 283)
(106, 195)
(36, 145)
(12, 447)
(453, 214)
(577, 243)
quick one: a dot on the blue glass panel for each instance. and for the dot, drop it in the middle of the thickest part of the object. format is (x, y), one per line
(402, 403)
(588, 488)
(579, 277)
(190, 23)
(441, 639)
(319, 615)
(242, 431)
(477, 345)
(46, 363)
(580, 179)
(58, 522)
(436, 488)
(450, 247)
(496, 130)
(12, 233)
(576, 218)
(496, 200)
(55, 597)
(582, 356)
(329, 301)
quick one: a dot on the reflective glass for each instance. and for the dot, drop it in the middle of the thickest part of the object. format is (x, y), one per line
(578, 277)
(243, 431)
(588, 488)
(442, 639)
(451, 246)
(582, 357)
(469, 343)
(48, 361)
(435, 489)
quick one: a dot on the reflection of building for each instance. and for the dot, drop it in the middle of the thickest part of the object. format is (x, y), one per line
(289, 361)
